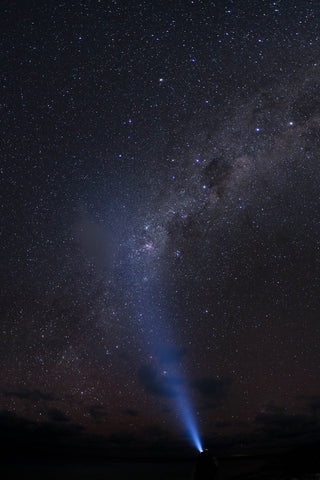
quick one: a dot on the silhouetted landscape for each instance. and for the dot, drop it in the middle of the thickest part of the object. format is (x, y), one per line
(64, 463)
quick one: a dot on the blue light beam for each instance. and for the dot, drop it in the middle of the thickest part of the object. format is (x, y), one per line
(169, 357)
(189, 420)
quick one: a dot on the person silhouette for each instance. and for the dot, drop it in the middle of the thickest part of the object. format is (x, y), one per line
(206, 466)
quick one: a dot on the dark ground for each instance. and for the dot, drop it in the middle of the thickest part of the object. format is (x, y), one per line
(299, 464)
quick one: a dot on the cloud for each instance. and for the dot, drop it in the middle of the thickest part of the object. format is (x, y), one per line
(9, 421)
(97, 412)
(59, 429)
(132, 412)
(56, 415)
(214, 391)
(311, 401)
(279, 425)
(32, 395)
(217, 174)
(157, 384)
(25, 438)
(14, 426)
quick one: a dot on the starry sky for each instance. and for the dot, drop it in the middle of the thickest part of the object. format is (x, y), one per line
(160, 220)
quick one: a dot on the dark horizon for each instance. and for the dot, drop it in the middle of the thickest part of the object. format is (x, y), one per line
(21, 438)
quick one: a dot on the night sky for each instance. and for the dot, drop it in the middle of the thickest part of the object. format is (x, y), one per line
(160, 220)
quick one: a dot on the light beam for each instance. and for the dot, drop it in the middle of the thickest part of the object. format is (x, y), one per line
(189, 421)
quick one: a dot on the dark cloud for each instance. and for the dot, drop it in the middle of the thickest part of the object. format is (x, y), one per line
(56, 415)
(214, 391)
(310, 401)
(132, 412)
(279, 427)
(9, 421)
(14, 426)
(280, 424)
(217, 173)
(97, 412)
(59, 429)
(32, 395)
(156, 384)
(23, 437)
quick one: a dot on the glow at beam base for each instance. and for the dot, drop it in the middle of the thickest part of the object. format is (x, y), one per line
(198, 444)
